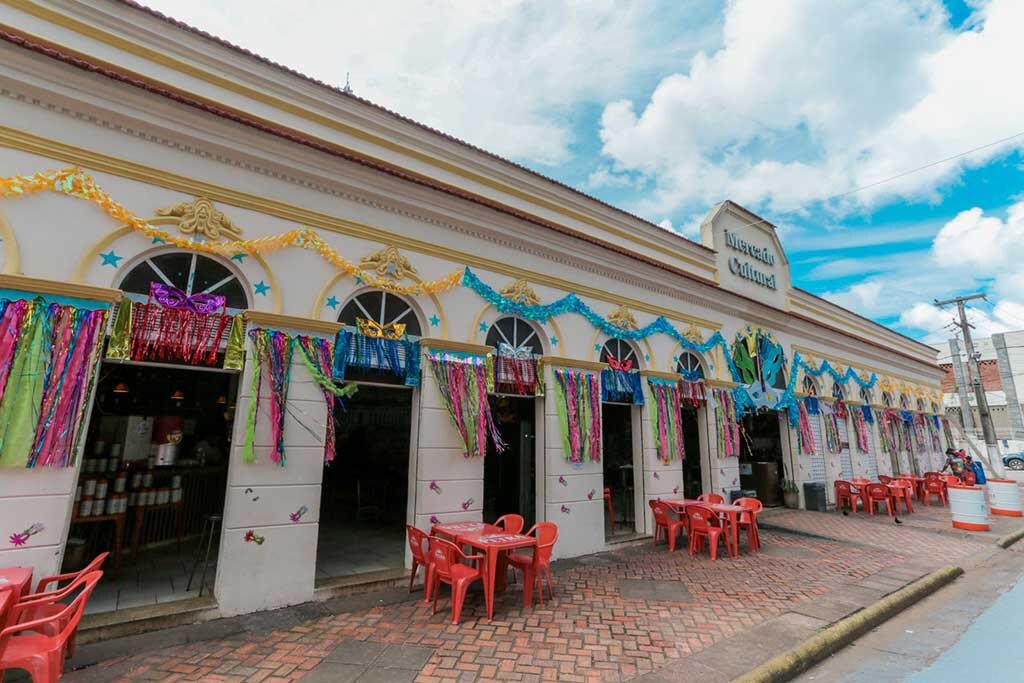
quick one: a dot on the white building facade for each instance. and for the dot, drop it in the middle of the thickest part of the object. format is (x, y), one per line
(160, 116)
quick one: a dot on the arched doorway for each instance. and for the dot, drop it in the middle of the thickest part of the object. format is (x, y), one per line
(620, 421)
(691, 368)
(365, 492)
(160, 431)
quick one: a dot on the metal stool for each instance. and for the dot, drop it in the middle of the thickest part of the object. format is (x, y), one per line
(211, 526)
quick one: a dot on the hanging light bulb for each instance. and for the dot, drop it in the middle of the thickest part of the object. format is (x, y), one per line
(121, 388)
(178, 395)
(222, 400)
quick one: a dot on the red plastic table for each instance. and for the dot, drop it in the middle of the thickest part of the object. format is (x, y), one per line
(491, 541)
(18, 578)
(731, 512)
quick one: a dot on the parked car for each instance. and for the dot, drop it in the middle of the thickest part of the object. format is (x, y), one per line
(1015, 461)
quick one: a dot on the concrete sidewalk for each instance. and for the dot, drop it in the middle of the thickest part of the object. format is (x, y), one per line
(635, 612)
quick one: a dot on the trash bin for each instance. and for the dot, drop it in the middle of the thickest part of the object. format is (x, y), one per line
(741, 493)
(814, 496)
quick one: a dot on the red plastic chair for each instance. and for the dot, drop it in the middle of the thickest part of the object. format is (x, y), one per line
(951, 479)
(878, 494)
(446, 560)
(419, 545)
(511, 523)
(611, 510)
(704, 525)
(934, 487)
(970, 478)
(539, 565)
(663, 519)
(748, 520)
(96, 563)
(39, 654)
(902, 489)
(846, 494)
(711, 499)
(884, 479)
(932, 475)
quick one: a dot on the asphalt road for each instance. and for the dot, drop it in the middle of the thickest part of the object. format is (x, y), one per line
(969, 631)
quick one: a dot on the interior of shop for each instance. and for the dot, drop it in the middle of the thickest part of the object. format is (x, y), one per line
(693, 480)
(761, 467)
(365, 489)
(617, 436)
(509, 477)
(154, 467)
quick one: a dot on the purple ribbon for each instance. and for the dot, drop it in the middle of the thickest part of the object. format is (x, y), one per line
(173, 298)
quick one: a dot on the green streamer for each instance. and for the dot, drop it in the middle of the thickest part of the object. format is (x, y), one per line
(234, 354)
(119, 346)
(23, 396)
(563, 416)
(248, 445)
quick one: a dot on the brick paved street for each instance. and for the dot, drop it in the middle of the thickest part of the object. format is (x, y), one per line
(616, 615)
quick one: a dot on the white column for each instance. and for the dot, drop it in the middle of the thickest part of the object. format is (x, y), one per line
(262, 495)
(573, 491)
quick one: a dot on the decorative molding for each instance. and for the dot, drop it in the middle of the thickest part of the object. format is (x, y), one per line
(623, 317)
(389, 262)
(57, 288)
(291, 322)
(560, 361)
(720, 383)
(671, 376)
(693, 334)
(452, 345)
(522, 292)
(201, 217)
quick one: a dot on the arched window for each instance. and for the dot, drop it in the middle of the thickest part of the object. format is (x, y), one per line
(384, 309)
(516, 335)
(837, 391)
(622, 352)
(866, 396)
(904, 402)
(810, 386)
(191, 273)
(935, 408)
(920, 405)
(887, 399)
(690, 367)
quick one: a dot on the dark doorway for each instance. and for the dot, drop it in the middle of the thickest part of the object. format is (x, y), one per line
(617, 433)
(365, 490)
(693, 484)
(509, 476)
(761, 457)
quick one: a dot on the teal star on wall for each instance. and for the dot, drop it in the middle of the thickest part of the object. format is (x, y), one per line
(647, 357)
(332, 301)
(159, 240)
(434, 320)
(359, 279)
(483, 326)
(239, 257)
(262, 288)
(554, 341)
(597, 347)
(111, 258)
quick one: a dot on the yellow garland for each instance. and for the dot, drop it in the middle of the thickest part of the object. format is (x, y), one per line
(76, 183)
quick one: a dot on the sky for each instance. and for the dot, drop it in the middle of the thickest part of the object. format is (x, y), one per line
(884, 138)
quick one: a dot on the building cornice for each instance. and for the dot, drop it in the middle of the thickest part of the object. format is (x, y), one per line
(57, 288)
(279, 321)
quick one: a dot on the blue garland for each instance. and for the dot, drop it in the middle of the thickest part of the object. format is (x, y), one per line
(619, 385)
(400, 357)
(869, 416)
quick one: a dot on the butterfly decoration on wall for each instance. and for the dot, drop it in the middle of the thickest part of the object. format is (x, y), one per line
(372, 328)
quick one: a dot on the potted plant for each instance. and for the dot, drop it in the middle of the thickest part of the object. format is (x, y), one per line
(790, 494)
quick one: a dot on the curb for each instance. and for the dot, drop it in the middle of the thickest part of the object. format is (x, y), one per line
(816, 648)
(1009, 539)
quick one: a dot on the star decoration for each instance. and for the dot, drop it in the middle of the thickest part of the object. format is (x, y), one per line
(597, 347)
(159, 240)
(332, 301)
(111, 258)
(554, 341)
(434, 320)
(647, 357)
(483, 326)
(238, 257)
(262, 288)
(359, 279)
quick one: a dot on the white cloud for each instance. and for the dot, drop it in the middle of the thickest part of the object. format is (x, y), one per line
(807, 99)
(603, 177)
(986, 243)
(504, 75)
(687, 228)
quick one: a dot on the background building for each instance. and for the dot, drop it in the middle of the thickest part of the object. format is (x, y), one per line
(1001, 363)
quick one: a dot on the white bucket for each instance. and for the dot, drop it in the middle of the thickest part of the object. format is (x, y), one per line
(967, 503)
(1004, 498)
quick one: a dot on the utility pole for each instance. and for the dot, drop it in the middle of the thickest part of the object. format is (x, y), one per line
(974, 376)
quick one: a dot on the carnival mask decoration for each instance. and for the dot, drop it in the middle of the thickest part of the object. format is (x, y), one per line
(620, 365)
(518, 353)
(171, 297)
(371, 328)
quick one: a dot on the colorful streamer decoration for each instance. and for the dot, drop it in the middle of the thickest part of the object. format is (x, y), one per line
(517, 371)
(920, 432)
(578, 402)
(935, 429)
(948, 432)
(400, 357)
(860, 428)
(48, 360)
(806, 441)
(316, 354)
(833, 443)
(463, 382)
(272, 351)
(888, 433)
(667, 419)
(74, 182)
(726, 424)
(692, 393)
(621, 386)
